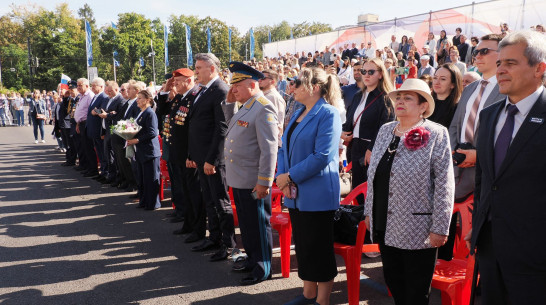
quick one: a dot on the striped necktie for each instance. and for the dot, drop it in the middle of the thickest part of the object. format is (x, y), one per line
(471, 122)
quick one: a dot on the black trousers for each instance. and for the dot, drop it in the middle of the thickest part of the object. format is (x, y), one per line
(218, 206)
(70, 146)
(193, 206)
(408, 273)
(360, 173)
(500, 284)
(98, 145)
(88, 149)
(149, 179)
(125, 172)
(254, 222)
(109, 157)
(176, 175)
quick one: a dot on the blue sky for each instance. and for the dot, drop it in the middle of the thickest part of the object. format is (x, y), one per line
(245, 14)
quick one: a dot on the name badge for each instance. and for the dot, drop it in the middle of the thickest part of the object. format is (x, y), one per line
(242, 123)
(537, 120)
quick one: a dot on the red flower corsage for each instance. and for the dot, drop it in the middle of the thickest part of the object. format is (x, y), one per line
(416, 138)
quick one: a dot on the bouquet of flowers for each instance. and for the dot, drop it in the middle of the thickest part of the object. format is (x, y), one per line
(127, 129)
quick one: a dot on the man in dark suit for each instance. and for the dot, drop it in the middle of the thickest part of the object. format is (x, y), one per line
(65, 125)
(94, 126)
(475, 97)
(108, 116)
(207, 131)
(188, 200)
(508, 227)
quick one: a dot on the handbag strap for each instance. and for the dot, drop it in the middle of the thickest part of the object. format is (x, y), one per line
(367, 106)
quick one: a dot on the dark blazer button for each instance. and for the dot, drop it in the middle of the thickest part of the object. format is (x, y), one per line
(494, 187)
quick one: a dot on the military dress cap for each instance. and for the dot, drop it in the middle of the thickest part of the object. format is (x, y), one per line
(72, 84)
(183, 72)
(241, 72)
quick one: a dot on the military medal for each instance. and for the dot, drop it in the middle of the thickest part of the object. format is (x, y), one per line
(242, 123)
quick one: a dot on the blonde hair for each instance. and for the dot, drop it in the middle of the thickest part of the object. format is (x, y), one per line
(385, 86)
(328, 84)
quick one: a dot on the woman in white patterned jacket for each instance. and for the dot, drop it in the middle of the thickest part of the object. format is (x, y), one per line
(410, 193)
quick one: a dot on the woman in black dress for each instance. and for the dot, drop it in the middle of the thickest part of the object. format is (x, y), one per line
(447, 86)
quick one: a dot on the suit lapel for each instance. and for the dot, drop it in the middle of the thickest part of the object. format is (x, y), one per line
(304, 122)
(495, 96)
(490, 139)
(525, 132)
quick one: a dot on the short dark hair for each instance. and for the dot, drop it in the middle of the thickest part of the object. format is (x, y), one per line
(459, 29)
(494, 37)
(272, 73)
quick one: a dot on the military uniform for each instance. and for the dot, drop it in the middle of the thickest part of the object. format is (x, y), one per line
(250, 153)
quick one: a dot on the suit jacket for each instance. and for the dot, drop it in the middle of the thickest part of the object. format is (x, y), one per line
(147, 147)
(312, 158)
(251, 146)
(207, 126)
(464, 177)
(177, 137)
(64, 116)
(421, 188)
(514, 198)
(133, 111)
(116, 105)
(94, 122)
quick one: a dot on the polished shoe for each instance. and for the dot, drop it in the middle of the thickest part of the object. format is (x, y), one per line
(240, 266)
(181, 231)
(134, 196)
(252, 280)
(207, 244)
(301, 300)
(177, 219)
(220, 255)
(123, 186)
(192, 238)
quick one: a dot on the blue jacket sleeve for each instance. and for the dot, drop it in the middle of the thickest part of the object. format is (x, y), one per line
(325, 149)
(149, 128)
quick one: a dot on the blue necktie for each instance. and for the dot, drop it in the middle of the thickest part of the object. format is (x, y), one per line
(505, 137)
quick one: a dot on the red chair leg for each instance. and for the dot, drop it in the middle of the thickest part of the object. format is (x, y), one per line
(353, 280)
(285, 236)
(161, 183)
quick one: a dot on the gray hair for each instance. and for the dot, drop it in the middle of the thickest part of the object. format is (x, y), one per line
(84, 81)
(210, 58)
(98, 81)
(535, 50)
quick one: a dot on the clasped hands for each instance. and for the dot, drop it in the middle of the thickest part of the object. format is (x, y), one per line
(283, 181)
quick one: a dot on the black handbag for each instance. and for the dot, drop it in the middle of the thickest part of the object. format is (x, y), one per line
(346, 220)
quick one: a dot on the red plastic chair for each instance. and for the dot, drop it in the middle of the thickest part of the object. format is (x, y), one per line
(352, 254)
(233, 207)
(280, 221)
(164, 178)
(454, 278)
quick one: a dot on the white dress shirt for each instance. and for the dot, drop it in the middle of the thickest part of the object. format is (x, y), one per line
(524, 106)
(358, 110)
(207, 86)
(488, 89)
(129, 104)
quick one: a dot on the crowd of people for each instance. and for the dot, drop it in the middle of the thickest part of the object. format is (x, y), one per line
(407, 121)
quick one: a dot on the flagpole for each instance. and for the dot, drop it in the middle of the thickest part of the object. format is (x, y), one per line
(153, 58)
(114, 62)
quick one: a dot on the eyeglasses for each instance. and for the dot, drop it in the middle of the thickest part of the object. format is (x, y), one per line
(364, 71)
(482, 52)
(297, 82)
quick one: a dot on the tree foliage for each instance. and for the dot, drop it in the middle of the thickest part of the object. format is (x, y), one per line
(57, 44)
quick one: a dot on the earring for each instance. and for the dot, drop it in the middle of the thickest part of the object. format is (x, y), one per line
(421, 115)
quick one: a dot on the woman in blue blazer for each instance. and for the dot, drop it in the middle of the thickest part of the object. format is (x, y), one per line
(147, 152)
(308, 175)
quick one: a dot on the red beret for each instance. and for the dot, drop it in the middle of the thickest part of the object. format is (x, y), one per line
(183, 72)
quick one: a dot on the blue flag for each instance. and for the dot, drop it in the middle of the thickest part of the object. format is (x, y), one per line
(188, 46)
(166, 39)
(141, 61)
(88, 44)
(251, 43)
(116, 63)
(269, 40)
(229, 39)
(115, 54)
(208, 40)
(310, 33)
(114, 26)
(291, 34)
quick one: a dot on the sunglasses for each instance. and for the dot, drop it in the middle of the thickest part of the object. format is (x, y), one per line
(297, 82)
(364, 71)
(482, 52)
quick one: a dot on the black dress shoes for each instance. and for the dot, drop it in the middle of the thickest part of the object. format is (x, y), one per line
(207, 244)
(181, 231)
(241, 265)
(192, 238)
(220, 255)
(252, 280)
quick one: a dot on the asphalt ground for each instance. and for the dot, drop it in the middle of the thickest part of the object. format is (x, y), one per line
(66, 239)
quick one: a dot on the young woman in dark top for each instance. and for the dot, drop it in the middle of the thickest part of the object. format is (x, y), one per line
(447, 86)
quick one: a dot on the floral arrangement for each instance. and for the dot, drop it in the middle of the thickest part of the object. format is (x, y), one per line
(416, 138)
(126, 129)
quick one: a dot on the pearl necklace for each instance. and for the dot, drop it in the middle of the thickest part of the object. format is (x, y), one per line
(397, 128)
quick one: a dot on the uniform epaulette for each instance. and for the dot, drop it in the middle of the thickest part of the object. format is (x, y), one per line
(262, 100)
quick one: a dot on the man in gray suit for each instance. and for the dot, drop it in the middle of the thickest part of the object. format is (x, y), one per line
(250, 152)
(475, 97)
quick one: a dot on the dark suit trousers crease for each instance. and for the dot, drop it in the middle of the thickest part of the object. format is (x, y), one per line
(149, 180)
(254, 222)
(176, 176)
(218, 206)
(109, 157)
(88, 149)
(98, 144)
(500, 286)
(408, 273)
(193, 207)
(70, 146)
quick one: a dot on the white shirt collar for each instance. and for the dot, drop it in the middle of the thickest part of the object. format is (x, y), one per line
(525, 105)
(492, 80)
(212, 81)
